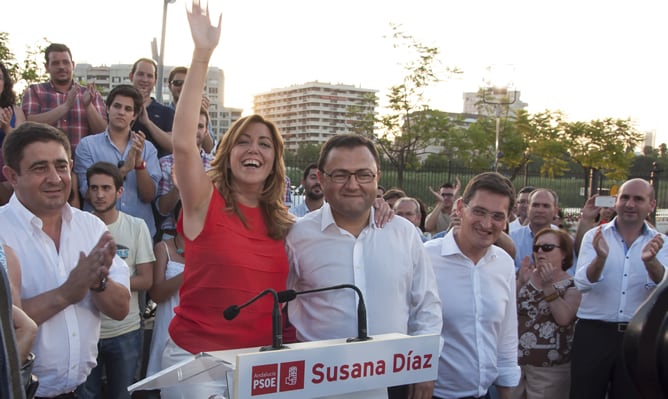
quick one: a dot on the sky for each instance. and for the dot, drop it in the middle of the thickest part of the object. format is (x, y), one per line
(590, 59)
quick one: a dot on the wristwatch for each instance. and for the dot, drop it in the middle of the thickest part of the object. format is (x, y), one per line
(141, 166)
(101, 287)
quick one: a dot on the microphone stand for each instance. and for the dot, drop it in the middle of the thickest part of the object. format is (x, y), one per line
(276, 319)
(362, 335)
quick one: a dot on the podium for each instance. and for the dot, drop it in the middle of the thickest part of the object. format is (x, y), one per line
(331, 368)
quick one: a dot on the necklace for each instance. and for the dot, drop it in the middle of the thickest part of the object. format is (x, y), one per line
(180, 251)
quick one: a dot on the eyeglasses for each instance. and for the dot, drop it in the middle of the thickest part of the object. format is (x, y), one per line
(177, 83)
(341, 176)
(482, 213)
(545, 247)
(445, 195)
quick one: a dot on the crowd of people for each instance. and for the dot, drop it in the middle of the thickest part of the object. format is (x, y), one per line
(110, 202)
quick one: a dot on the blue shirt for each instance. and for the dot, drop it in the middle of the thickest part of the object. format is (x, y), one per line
(99, 147)
(624, 283)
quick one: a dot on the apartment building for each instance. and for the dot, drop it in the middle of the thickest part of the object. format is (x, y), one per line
(312, 112)
(108, 77)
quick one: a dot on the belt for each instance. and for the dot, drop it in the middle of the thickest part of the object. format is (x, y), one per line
(608, 325)
(69, 395)
(465, 397)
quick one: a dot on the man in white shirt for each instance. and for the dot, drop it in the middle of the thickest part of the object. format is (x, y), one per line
(476, 282)
(69, 269)
(620, 264)
(341, 244)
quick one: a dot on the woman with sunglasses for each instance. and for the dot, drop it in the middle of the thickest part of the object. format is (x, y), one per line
(547, 301)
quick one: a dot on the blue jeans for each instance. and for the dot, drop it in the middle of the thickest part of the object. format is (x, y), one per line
(118, 358)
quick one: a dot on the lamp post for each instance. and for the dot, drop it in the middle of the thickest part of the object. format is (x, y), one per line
(495, 93)
(161, 55)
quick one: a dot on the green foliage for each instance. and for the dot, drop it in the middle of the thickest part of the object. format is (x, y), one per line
(410, 127)
(30, 69)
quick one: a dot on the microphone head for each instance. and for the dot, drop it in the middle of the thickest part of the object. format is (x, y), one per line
(286, 296)
(231, 312)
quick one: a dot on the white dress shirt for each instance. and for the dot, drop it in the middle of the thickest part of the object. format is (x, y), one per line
(388, 264)
(479, 320)
(624, 283)
(66, 345)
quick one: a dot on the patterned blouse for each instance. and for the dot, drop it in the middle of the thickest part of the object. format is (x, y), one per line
(542, 342)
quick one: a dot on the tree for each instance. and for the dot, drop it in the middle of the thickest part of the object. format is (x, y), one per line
(31, 69)
(410, 126)
(601, 146)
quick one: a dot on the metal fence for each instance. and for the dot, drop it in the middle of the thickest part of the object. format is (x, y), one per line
(569, 188)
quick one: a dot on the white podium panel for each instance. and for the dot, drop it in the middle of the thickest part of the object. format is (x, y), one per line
(332, 368)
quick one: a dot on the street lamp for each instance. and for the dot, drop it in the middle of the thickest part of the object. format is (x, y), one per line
(161, 55)
(495, 92)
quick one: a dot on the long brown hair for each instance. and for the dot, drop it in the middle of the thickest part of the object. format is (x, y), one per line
(275, 214)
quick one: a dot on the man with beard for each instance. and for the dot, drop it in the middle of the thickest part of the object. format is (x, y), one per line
(119, 347)
(62, 102)
(522, 207)
(118, 145)
(167, 201)
(620, 265)
(439, 218)
(342, 243)
(70, 272)
(313, 195)
(155, 120)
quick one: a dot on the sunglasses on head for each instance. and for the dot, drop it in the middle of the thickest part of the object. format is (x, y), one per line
(177, 83)
(545, 247)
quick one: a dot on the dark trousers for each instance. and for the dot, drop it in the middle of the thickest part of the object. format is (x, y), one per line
(597, 364)
(398, 392)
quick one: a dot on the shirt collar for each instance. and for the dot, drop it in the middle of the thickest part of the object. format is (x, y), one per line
(646, 228)
(328, 219)
(450, 247)
(27, 217)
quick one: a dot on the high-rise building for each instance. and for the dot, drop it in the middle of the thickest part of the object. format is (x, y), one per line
(108, 77)
(313, 112)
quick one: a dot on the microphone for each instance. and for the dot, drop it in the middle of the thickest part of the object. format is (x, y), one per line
(289, 295)
(276, 320)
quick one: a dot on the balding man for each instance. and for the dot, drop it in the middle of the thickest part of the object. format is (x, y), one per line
(543, 206)
(620, 265)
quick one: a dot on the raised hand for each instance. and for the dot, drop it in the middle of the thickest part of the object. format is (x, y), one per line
(138, 139)
(590, 210)
(547, 271)
(71, 96)
(89, 94)
(5, 117)
(91, 268)
(205, 35)
(652, 248)
(525, 272)
(600, 245)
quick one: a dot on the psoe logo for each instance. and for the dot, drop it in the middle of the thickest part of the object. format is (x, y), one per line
(275, 377)
(292, 376)
(265, 379)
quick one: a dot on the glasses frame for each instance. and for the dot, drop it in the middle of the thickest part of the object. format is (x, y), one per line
(340, 180)
(180, 83)
(483, 213)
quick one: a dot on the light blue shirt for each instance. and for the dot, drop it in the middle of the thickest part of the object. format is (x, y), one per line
(523, 240)
(99, 147)
(624, 283)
